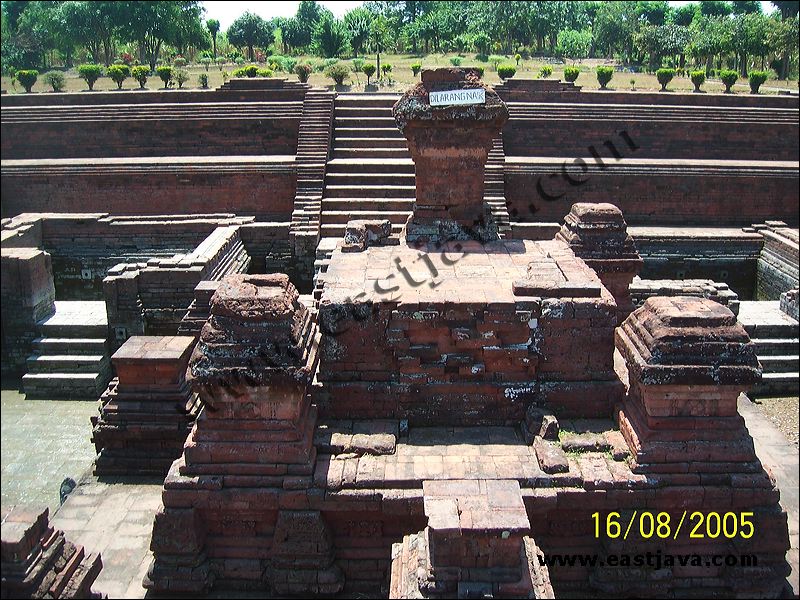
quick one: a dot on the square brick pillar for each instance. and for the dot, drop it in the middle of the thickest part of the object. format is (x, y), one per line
(247, 465)
(598, 234)
(688, 360)
(450, 146)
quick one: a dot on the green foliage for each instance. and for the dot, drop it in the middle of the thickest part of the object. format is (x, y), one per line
(386, 69)
(118, 74)
(416, 68)
(330, 37)
(338, 73)
(480, 70)
(278, 61)
(357, 22)
(90, 73)
(495, 60)
(213, 28)
(756, 78)
(264, 73)
(545, 71)
(517, 58)
(55, 79)
(140, 73)
(206, 62)
(455, 61)
(358, 64)
(202, 80)
(289, 63)
(482, 41)
(571, 73)
(27, 77)
(369, 70)
(248, 71)
(303, 71)
(506, 71)
(664, 76)
(239, 60)
(181, 76)
(604, 75)
(574, 44)
(179, 62)
(728, 77)
(698, 78)
(250, 31)
(165, 73)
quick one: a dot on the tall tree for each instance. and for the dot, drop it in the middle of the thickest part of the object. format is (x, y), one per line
(250, 30)
(357, 22)
(746, 7)
(213, 28)
(308, 16)
(715, 8)
(378, 39)
(153, 24)
(95, 25)
(783, 39)
(330, 37)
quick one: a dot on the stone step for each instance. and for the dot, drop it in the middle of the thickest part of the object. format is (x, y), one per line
(367, 130)
(776, 346)
(372, 165)
(343, 216)
(364, 100)
(336, 230)
(66, 363)
(364, 123)
(352, 153)
(391, 204)
(370, 191)
(369, 143)
(69, 345)
(369, 179)
(383, 112)
(780, 363)
(777, 384)
(83, 386)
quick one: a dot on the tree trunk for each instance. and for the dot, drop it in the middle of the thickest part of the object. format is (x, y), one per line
(784, 72)
(378, 70)
(250, 50)
(743, 65)
(214, 40)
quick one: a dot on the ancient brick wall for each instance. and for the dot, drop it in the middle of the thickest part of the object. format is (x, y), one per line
(778, 262)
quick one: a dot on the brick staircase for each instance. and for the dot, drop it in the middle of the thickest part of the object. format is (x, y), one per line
(776, 336)
(70, 357)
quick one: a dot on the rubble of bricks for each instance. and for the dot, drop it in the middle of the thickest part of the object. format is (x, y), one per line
(39, 562)
(148, 409)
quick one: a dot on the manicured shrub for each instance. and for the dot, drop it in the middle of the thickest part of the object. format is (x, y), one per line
(278, 60)
(179, 62)
(664, 76)
(506, 71)
(329, 62)
(358, 64)
(517, 57)
(27, 77)
(545, 71)
(756, 78)
(455, 61)
(495, 60)
(55, 79)
(181, 76)
(386, 69)
(698, 78)
(571, 73)
(118, 74)
(289, 63)
(248, 71)
(416, 68)
(221, 60)
(728, 77)
(338, 73)
(264, 73)
(480, 70)
(369, 71)
(303, 70)
(166, 74)
(225, 76)
(604, 75)
(90, 73)
(140, 74)
(239, 60)
(202, 79)
(206, 62)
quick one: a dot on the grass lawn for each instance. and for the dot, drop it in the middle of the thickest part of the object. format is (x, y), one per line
(402, 77)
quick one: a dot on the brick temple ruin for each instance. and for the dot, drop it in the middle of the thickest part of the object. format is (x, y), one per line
(392, 348)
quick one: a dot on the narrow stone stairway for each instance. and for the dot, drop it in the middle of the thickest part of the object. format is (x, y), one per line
(776, 336)
(70, 357)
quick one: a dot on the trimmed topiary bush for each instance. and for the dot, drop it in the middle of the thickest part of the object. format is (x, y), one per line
(141, 73)
(756, 78)
(604, 75)
(480, 70)
(289, 63)
(202, 79)
(27, 77)
(698, 78)
(179, 62)
(571, 73)
(545, 71)
(728, 77)
(90, 73)
(369, 71)
(506, 71)
(56, 80)
(264, 73)
(303, 71)
(221, 60)
(166, 74)
(517, 57)
(118, 74)
(386, 69)
(456, 61)
(181, 76)
(664, 76)
(338, 73)
(278, 60)
(206, 62)
(416, 68)
(495, 60)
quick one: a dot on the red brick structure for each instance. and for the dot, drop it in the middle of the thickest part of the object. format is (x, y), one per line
(38, 562)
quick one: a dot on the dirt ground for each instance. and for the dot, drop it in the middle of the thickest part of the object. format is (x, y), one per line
(402, 76)
(783, 412)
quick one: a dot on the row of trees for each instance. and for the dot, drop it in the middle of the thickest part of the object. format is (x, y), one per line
(644, 32)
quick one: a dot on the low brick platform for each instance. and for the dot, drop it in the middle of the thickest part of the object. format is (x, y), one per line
(38, 562)
(148, 409)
